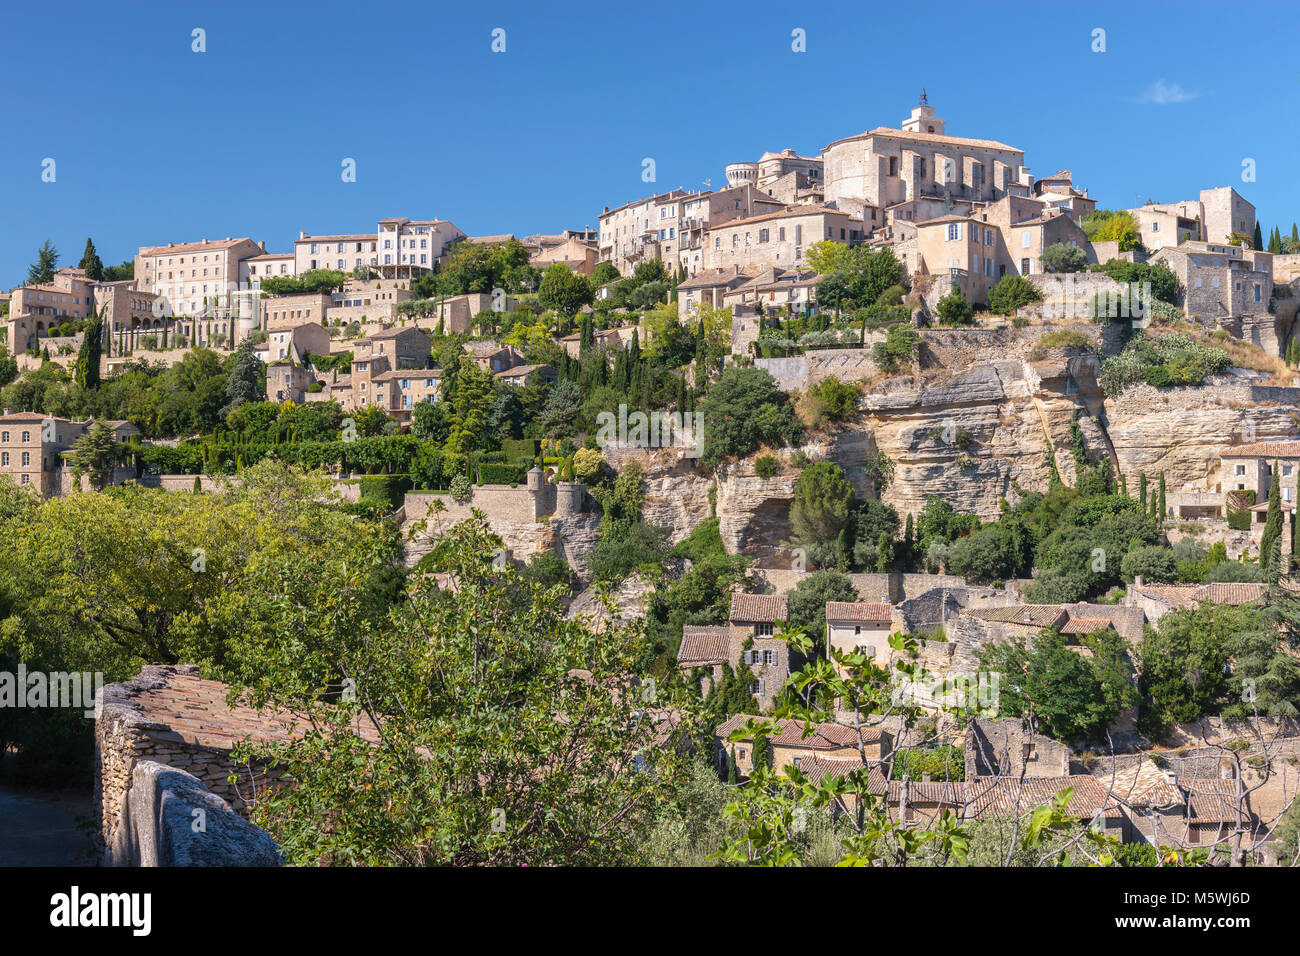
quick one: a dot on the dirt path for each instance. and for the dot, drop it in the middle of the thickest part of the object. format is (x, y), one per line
(40, 829)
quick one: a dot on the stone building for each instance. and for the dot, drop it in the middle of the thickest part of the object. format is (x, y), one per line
(398, 248)
(629, 234)
(32, 447)
(269, 265)
(827, 741)
(1220, 285)
(708, 288)
(190, 278)
(885, 166)
(859, 626)
(1009, 747)
(753, 621)
(777, 239)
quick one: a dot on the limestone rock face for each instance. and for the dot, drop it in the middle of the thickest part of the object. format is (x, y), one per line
(754, 512)
(1183, 431)
(678, 501)
(631, 600)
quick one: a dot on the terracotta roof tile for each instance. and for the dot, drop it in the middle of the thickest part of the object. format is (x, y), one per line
(858, 612)
(827, 736)
(1026, 615)
(704, 644)
(758, 608)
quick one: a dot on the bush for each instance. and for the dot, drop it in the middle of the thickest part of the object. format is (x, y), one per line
(1060, 257)
(941, 763)
(1162, 361)
(765, 466)
(899, 347)
(460, 488)
(615, 558)
(833, 400)
(953, 309)
(1154, 563)
(1011, 292)
(494, 473)
(743, 409)
(389, 488)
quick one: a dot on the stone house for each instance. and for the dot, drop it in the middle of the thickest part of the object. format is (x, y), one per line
(1220, 284)
(885, 166)
(32, 447)
(791, 290)
(1157, 600)
(708, 288)
(520, 374)
(293, 343)
(854, 626)
(1008, 747)
(826, 741)
(289, 311)
(753, 621)
(1250, 468)
(190, 276)
(778, 239)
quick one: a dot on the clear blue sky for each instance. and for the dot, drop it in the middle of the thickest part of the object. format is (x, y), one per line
(540, 137)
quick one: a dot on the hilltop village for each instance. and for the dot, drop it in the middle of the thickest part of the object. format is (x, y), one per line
(889, 476)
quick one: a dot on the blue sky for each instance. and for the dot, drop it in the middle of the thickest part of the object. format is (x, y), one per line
(540, 137)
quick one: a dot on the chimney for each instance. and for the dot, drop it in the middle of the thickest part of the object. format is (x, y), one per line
(262, 245)
(1137, 580)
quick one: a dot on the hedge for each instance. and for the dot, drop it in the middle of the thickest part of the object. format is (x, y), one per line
(495, 473)
(392, 488)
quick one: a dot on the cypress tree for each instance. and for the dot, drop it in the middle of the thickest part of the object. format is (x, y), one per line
(1258, 241)
(1163, 512)
(1272, 537)
(87, 367)
(731, 767)
(1142, 492)
(198, 484)
(908, 543)
(91, 262)
(884, 553)
(1123, 486)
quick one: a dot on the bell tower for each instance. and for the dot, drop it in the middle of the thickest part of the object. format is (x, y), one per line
(923, 119)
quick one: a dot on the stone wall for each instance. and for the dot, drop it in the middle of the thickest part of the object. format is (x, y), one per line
(167, 717)
(796, 373)
(169, 818)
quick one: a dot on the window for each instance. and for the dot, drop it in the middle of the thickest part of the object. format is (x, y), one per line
(27, 458)
(954, 231)
(757, 687)
(988, 237)
(4, 437)
(1241, 469)
(1155, 227)
(27, 436)
(768, 656)
(1286, 471)
(4, 458)
(1024, 239)
(763, 630)
(763, 236)
(1256, 291)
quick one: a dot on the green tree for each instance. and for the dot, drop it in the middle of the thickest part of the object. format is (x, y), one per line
(563, 290)
(743, 409)
(953, 308)
(822, 501)
(246, 381)
(42, 270)
(806, 603)
(1270, 562)
(1060, 257)
(95, 454)
(1011, 292)
(88, 357)
(91, 262)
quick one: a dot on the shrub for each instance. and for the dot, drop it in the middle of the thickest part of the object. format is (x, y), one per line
(1011, 292)
(386, 488)
(765, 466)
(833, 400)
(1060, 257)
(494, 473)
(899, 347)
(1162, 361)
(460, 488)
(953, 309)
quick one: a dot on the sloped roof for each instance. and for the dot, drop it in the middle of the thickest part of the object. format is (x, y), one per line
(858, 612)
(1010, 795)
(703, 644)
(828, 736)
(1264, 449)
(759, 608)
(1026, 615)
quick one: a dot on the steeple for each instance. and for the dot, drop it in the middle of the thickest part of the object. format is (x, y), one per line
(923, 119)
